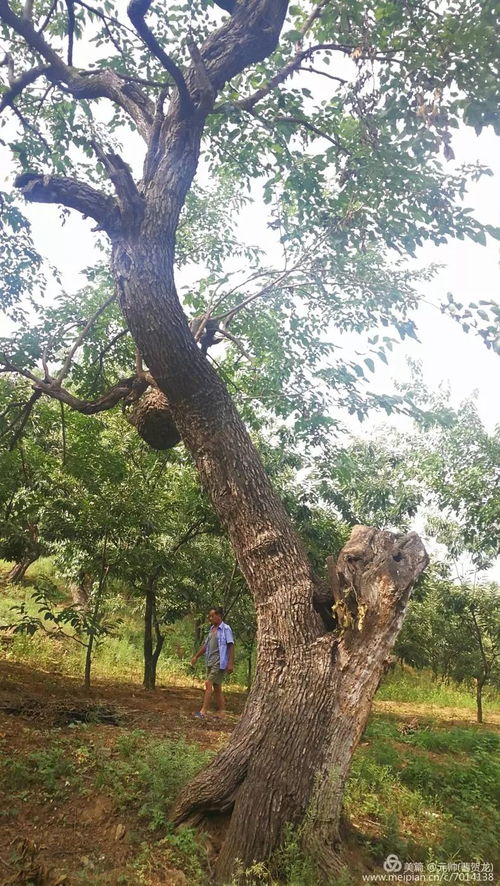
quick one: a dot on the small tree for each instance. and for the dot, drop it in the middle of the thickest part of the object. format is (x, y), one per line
(67, 623)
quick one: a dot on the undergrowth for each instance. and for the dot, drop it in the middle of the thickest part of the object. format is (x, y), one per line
(146, 775)
(434, 789)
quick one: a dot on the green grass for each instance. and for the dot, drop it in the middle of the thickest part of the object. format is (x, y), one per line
(420, 687)
(48, 772)
(147, 775)
(432, 791)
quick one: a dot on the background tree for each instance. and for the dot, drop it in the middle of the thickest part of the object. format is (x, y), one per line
(378, 182)
(455, 630)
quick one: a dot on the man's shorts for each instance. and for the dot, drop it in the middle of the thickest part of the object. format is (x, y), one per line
(215, 675)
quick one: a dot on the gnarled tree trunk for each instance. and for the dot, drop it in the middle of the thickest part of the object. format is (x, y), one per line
(289, 756)
(80, 591)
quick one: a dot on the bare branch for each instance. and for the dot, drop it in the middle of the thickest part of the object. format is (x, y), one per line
(153, 152)
(28, 11)
(311, 70)
(8, 62)
(124, 389)
(236, 341)
(137, 10)
(197, 528)
(110, 19)
(157, 84)
(71, 29)
(77, 195)
(74, 347)
(29, 126)
(17, 86)
(226, 5)
(24, 418)
(206, 90)
(48, 17)
(289, 68)
(100, 357)
(8, 366)
(300, 121)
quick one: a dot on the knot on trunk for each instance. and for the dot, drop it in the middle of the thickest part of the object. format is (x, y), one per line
(152, 418)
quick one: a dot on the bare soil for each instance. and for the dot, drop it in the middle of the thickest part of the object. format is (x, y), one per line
(84, 838)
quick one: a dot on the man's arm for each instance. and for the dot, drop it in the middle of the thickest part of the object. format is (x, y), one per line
(230, 658)
(201, 651)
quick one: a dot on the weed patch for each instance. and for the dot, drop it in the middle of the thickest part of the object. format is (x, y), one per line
(148, 775)
(49, 771)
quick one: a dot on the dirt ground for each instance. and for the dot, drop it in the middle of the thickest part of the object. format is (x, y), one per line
(47, 842)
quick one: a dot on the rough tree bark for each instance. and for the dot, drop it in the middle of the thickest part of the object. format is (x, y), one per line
(80, 591)
(289, 755)
(31, 555)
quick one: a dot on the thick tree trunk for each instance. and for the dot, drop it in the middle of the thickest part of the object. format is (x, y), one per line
(290, 754)
(313, 687)
(299, 698)
(249, 666)
(151, 652)
(311, 684)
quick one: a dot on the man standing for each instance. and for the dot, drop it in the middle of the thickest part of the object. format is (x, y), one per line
(218, 649)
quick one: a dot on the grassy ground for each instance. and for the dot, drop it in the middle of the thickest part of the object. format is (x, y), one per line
(90, 777)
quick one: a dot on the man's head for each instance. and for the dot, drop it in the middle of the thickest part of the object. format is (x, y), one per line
(215, 615)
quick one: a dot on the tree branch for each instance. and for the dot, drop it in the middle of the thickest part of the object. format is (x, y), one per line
(77, 195)
(72, 351)
(28, 126)
(48, 17)
(311, 70)
(105, 84)
(206, 90)
(125, 389)
(289, 68)
(130, 201)
(71, 29)
(312, 128)
(196, 528)
(226, 5)
(28, 11)
(19, 419)
(100, 357)
(17, 86)
(137, 10)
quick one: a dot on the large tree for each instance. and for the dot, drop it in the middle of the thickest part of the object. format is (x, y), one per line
(349, 174)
